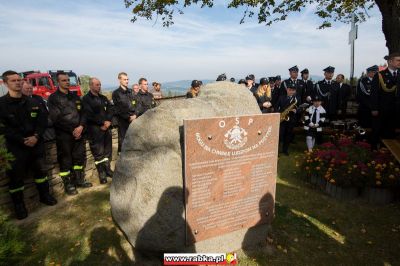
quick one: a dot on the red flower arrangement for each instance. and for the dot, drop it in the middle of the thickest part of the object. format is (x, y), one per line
(348, 163)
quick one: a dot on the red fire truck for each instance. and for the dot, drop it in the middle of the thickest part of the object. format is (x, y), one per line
(45, 84)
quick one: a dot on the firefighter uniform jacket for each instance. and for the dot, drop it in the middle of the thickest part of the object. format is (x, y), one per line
(383, 99)
(308, 89)
(20, 118)
(145, 102)
(66, 111)
(328, 91)
(97, 109)
(363, 97)
(383, 92)
(125, 103)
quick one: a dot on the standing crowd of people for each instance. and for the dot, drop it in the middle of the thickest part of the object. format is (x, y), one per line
(26, 119)
(301, 102)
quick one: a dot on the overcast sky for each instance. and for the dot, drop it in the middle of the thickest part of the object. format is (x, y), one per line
(98, 39)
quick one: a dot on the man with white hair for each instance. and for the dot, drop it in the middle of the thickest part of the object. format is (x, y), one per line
(98, 118)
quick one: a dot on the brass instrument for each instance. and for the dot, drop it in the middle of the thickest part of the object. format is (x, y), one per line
(285, 114)
(361, 131)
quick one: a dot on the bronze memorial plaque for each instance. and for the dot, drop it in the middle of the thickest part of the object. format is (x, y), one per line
(230, 173)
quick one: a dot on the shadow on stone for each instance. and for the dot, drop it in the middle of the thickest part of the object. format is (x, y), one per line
(253, 241)
(164, 229)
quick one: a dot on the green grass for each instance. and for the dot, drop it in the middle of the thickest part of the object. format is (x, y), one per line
(309, 228)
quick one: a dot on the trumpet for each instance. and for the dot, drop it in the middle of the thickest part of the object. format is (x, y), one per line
(359, 129)
(285, 114)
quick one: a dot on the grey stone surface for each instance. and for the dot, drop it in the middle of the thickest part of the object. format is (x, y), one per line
(147, 189)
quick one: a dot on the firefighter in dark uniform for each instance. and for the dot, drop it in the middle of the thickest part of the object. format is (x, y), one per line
(22, 123)
(292, 81)
(27, 90)
(344, 93)
(274, 90)
(145, 98)
(363, 97)
(65, 111)
(287, 104)
(124, 105)
(308, 86)
(250, 83)
(327, 90)
(384, 97)
(98, 118)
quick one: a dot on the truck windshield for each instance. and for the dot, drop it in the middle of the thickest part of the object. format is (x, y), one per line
(73, 81)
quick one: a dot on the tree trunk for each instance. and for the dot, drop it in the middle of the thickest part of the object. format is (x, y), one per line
(390, 10)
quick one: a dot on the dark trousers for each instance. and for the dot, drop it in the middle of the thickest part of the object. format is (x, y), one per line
(123, 126)
(70, 152)
(364, 117)
(100, 143)
(27, 160)
(383, 126)
(286, 134)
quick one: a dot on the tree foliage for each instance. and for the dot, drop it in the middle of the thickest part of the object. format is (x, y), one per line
(84, 83)
(267, 11)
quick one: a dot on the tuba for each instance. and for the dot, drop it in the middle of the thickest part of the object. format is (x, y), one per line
(285, 114)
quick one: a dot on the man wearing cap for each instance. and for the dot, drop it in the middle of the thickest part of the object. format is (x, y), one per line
(221, 77)
(287, 125)
(385, 96)
(293, 82)
(327, 89)
(363, 97)
(278, 82)
(194, 89)
(274, 90)
(251, 86)
(308, 86)
(343, 95)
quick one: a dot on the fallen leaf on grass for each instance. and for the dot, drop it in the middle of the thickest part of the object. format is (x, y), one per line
(285, 250)
(77, 244)
(369, 242)
(279, 247)
(363, 230)
(296, 240)
(109, 219)
(333, 222)
(394, 230)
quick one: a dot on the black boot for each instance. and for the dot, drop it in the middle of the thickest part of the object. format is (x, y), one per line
(69, 186)
(44, 193)
(80, 180)
(107, 168)
(19, 205)
(101, 170)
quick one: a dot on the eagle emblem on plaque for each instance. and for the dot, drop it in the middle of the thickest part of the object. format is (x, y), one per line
(235, 138)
